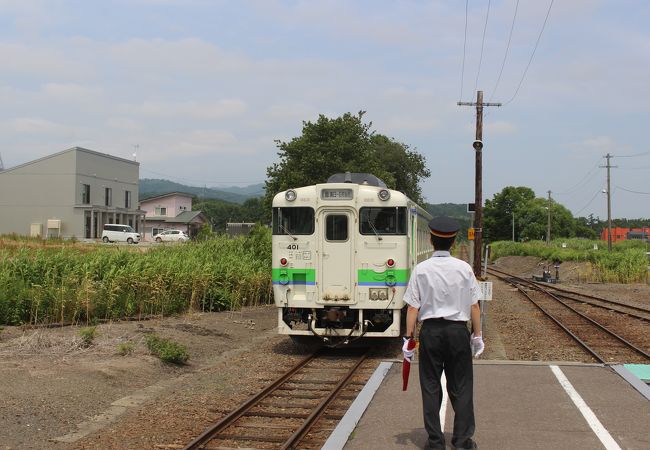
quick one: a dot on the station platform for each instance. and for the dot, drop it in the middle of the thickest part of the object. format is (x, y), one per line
(518, 405)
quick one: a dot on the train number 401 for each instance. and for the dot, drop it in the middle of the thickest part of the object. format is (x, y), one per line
(292, 247)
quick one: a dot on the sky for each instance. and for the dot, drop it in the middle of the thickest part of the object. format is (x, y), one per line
(200, 90)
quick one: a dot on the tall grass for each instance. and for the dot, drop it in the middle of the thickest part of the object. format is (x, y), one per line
(76, 283)
(627, 263)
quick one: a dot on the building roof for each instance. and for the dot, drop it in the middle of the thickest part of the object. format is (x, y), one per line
(169, 194)
(73, 149)
(184, 217)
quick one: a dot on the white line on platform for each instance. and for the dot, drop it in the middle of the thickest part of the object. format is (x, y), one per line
(597, 427)
(346, 426)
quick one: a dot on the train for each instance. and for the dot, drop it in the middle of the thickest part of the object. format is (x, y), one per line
(343, 252)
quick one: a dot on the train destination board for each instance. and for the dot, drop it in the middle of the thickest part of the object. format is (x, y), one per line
(336, 194)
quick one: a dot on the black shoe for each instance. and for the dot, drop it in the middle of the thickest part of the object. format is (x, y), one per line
(471, 445)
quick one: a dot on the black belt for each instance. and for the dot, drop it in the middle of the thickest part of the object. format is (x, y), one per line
(442, 319)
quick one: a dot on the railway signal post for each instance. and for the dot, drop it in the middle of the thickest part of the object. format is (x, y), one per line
(478, 180)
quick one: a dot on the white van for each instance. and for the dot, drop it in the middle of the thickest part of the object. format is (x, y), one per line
(120, 233)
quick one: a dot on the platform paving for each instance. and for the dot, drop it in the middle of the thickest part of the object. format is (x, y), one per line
(518, 405)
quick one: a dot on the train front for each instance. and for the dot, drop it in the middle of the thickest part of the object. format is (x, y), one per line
(340, 260)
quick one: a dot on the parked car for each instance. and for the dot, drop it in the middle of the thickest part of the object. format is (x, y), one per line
(115, 232)
(171, 236)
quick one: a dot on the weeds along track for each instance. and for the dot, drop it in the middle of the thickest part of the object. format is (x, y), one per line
(300, 409)
(605, 329)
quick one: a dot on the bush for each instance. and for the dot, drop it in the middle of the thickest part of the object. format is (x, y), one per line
(87, 335)
(126, 348)
(167, 350)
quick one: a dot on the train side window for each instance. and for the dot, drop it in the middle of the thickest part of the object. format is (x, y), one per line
(336, 227)
(293, 221)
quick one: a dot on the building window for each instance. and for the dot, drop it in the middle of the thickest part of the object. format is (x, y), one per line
(108, 196)
(155, 231)
(85, 194)
(127, 199)
(160, 211)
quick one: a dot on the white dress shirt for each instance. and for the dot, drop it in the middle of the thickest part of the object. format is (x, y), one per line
(443, 287)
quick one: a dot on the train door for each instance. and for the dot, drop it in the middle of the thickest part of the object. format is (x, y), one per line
(337, 254)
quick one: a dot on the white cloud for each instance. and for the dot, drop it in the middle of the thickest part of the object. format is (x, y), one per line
(70, 92)
(34, 125)
(192, 109)
(48, 61)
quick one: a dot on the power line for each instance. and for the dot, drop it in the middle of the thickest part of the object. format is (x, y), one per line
(580, 183)
(533, 54)
(633, 156)
(505, 56)
(634, 192)
(462, 70)
(590, 201)
(480, 60)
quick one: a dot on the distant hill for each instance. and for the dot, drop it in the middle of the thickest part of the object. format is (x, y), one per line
(151, 187)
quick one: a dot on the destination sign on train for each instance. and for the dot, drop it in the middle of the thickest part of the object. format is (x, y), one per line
(336, 194)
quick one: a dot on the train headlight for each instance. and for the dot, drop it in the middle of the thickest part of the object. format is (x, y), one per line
(383, 195)
(290, 195)
(283, 262)
(390, 262)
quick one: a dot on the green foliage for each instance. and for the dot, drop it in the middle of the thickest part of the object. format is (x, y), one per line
(205, 233)
(125, 348)
(627, 263)
(455, 210)
(87, 335)
(167, 350)
(344, 144)
(220, 213)
(82, 284)
(530, 217)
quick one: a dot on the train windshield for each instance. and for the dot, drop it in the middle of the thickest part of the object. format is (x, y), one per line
(294, 220)
(382, 221)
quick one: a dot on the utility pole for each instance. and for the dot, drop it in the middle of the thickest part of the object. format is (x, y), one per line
(548, 227)
(478, 180)
(609, 203)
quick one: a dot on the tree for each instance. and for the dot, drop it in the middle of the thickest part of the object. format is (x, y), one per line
(530, 216)
(344, 144)
(497, 214)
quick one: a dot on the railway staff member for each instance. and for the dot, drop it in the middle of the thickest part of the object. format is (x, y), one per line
(443, 294)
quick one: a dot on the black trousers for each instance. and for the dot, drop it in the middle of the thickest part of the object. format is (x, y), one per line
(444, 345)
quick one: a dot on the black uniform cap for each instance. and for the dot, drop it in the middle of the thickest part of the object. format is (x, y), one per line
(444, 227)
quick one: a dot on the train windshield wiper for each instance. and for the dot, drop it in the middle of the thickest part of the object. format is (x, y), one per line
(379, 238)
(287, 232)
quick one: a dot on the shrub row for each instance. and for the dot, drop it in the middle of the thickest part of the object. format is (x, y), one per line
(77, 283)
(627, 263)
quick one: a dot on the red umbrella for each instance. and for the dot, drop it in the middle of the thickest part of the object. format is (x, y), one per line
(406, 365)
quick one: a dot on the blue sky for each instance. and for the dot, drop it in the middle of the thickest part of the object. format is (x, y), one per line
(203, 88)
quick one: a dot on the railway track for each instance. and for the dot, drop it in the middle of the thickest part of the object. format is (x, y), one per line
(612, 336)
(298, 410)
(636, 311)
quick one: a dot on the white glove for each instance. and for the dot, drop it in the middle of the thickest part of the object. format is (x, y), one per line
(476, 342)
(408, 354)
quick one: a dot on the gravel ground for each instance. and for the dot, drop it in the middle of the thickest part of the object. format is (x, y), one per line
(58, 394)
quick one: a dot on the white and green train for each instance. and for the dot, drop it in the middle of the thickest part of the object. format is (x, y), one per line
(343, 252)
